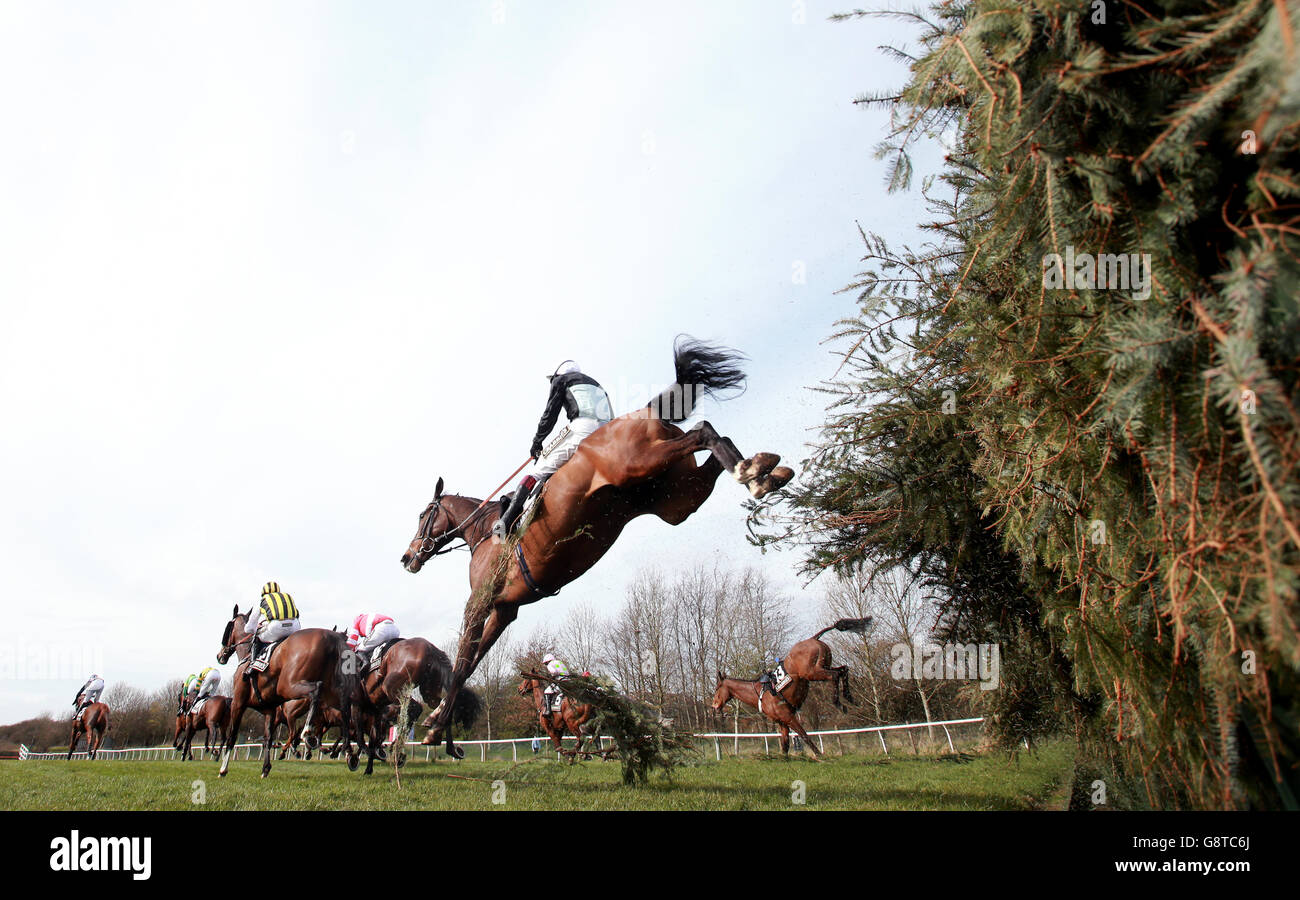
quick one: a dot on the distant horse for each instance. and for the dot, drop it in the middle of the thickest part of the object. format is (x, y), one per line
(91, 724)
(307, 665)
(571, 715)
(638, 464)
(781, 707)
(810, 659)
(213, 718)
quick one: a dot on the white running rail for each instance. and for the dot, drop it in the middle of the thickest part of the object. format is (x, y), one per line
(254, 750)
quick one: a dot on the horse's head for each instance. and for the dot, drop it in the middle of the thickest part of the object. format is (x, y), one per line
(232, 637)
(526, 686)
(722, 694)
(435, 531)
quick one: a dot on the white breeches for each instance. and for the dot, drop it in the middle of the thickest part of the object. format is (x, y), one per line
(563, 446)
(272, 630)
(210, 684)
(384, 631)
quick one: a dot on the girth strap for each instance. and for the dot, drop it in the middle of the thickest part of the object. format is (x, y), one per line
(528, 575)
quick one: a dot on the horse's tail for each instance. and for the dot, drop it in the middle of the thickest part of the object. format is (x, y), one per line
(467, 706)
(857, 626)
(702, 370)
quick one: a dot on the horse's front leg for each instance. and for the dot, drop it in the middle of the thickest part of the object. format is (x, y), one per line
(475, 641)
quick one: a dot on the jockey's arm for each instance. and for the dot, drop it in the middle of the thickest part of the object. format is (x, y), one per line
(554, 403)
(253, 617)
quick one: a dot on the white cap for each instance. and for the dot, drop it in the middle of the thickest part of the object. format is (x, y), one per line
(568, 367)
(550, 657)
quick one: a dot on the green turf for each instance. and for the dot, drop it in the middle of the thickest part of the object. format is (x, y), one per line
(990, 781)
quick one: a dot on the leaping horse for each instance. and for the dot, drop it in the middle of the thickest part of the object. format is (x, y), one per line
(638, 464)
(810, 659)
(307, 665)
(92, 723)
(782, 707)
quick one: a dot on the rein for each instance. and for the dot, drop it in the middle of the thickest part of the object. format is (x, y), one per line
(438, 546)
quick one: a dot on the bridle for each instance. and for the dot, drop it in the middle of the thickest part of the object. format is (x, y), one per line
(430, 545)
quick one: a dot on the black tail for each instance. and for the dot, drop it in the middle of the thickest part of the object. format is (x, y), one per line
(464, 712)
(467, 706)
(857, 626)
(702, 370)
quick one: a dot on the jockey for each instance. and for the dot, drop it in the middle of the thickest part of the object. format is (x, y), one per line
(587, 406)
(273, 619)
(371, 630)
(183, 699)
(88, 693)
(556, 669)
(205, 684)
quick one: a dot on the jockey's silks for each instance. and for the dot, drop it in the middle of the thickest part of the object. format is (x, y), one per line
(278, 606)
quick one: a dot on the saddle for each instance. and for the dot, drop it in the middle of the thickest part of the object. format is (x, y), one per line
(779, 677)
(553, 702)
(377, 655)
(263, 658)
(194, 710)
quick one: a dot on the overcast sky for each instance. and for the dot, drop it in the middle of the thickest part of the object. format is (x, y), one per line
(271, 269)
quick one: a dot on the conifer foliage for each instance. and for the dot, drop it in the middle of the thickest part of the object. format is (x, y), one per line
(1072, 411)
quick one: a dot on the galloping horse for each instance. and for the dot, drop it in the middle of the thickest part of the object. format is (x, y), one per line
(810, 659)
(91, 724)
(638, 464)
(571, 716)
(212, 719)
(782, 708)
(307, 666)
(410, 661)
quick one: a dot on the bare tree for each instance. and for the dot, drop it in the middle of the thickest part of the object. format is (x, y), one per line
(580, 638)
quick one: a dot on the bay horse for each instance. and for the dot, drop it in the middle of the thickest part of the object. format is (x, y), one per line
(638, 464)
(810, 659)
(782, 708)
(91, 724)
(307, 666)
(213, 718)
(571, 715)
(410, 662)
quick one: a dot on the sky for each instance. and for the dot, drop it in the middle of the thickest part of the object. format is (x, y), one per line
(269, 270)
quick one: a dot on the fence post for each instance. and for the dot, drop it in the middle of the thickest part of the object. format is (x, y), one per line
(717, 750)
(951, 749)
(881, 734)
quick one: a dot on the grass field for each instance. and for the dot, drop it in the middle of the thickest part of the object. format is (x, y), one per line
(986, 782)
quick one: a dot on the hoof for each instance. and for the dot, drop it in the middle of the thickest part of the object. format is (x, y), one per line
(755, 467)
(455, 752)
(353, 762)
(777, 478)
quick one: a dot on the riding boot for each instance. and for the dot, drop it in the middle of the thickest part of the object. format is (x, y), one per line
(254, 648)
(505, 525)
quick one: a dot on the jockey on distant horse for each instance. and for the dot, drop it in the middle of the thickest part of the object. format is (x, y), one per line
(587, 406)
(181, 695)
(371, 630)
(556, 669)
(88, 693)
(272, 620)
(205, 684)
